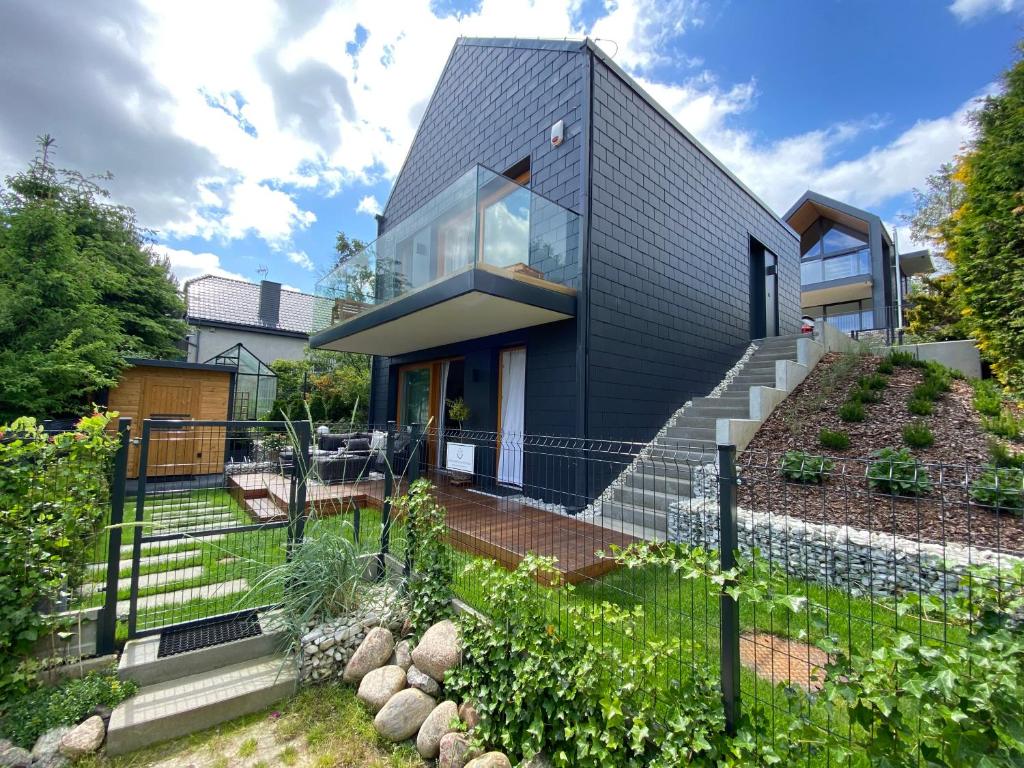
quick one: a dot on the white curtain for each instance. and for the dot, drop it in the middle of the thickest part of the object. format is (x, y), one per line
(442, 415)
(513, 403)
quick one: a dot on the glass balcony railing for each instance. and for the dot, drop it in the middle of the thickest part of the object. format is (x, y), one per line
(836, 267)
(482, 218)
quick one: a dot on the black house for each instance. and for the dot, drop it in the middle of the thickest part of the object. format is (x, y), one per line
(558, 251)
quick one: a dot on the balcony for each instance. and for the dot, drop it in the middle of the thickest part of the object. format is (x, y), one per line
(483, 256)
(844, 277)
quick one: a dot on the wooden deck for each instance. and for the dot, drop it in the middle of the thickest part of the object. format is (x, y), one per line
(478, 524)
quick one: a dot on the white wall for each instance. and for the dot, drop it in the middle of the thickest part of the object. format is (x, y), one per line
(960, 355)
(267, 347)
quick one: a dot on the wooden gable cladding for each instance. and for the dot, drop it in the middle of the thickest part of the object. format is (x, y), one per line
(181, 393)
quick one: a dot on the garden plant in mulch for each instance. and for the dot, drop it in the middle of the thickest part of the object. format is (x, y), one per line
(955, 459)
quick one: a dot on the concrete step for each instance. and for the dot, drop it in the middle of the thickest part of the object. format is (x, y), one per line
(631, 529)
(677, 437)
(648, 500)
(168, 558)
(155, 547)
(672, 480)
(139, 661)
(617, 512)
(733, 409)
(771, 341)
(187, 704)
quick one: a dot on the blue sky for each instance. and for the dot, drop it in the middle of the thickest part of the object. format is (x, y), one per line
(247, 133)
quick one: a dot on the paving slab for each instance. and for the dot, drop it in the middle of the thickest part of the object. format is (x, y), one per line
(179, 596)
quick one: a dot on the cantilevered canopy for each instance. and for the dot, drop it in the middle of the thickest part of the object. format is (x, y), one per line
(472, 303)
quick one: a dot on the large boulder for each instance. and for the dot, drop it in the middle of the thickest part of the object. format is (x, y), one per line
(490, 760)
(539, 760)
(402, 716)
(437, 724)
(48, 745)
(372, 653)
(423, 681)
(379, 685)
(454, 751)
(84, 739)
(439, 650)
(12, 756)
(403, 654)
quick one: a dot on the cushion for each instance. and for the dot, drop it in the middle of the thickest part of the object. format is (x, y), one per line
(358, 445)
(332, 442)
(378, 440)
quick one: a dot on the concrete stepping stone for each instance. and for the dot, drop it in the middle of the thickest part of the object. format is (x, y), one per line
(156, 546)
(148, 580)
(179, 596)
(167, 557)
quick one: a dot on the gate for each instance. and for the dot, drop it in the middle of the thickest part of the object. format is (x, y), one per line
(218, 504)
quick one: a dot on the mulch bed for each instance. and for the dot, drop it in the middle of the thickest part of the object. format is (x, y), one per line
(944, 515)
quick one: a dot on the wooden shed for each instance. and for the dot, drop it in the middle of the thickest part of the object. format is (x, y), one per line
(167, 389)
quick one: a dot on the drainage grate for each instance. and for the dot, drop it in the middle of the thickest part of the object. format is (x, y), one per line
(217, 632)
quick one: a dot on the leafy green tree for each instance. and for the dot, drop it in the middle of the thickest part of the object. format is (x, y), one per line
(334, 386)
(79, 292)
(937, 311)
(943, 194)
(986, 233)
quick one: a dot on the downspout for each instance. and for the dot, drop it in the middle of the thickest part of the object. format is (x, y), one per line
(899, 282)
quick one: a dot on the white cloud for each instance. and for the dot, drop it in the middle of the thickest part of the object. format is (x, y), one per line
(186, 264)
(369, 205)
(302, 259)
(968, 10)
(641, 28)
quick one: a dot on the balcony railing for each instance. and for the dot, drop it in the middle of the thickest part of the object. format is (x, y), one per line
(483, 218)
(836, 267)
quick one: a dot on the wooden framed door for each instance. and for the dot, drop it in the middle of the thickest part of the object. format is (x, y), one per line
(171, 452)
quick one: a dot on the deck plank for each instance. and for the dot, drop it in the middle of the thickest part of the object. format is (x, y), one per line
(478, 524)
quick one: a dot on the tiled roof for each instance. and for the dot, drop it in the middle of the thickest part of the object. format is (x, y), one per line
(223, 300)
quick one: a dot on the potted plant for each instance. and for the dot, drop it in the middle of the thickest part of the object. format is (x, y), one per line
(458, 412)
(273, 444)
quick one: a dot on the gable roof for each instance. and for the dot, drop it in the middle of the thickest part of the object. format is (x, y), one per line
(236, 302)
(814, 204)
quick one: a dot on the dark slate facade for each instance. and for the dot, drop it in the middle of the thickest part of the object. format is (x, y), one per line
(664, 283)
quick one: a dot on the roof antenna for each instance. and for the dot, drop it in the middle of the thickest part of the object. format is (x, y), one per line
(262, 271)
(608, 40)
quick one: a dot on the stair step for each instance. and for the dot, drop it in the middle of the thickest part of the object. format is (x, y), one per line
(648, 500)
(628, 514)
(184, 705)
(672, 480)
(631, 529)
(187, 595)
(139, 661)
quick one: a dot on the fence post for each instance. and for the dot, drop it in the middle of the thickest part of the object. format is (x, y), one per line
(300, 471)
(137, 530)
(728, 543)
(107, 629)
(385, 513)
(417, 432)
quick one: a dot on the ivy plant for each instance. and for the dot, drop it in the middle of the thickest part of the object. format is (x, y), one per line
(429, 583)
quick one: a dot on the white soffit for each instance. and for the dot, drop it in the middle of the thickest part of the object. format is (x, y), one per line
(470, 316)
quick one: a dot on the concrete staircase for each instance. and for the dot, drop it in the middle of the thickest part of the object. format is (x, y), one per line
(674, 466)
(197, 689)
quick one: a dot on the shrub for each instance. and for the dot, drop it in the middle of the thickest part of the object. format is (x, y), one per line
(31, 714)
(1000, 488)
(918, 435)
(988, 397)
(920, 406)
(927, 390)
(886, 367)
(902, 359)
(1006, 424)
(429, 585)
(851, 411)
(801, 467)
(865, 395)
(53, 497)
(874, 381)
(938, 376)
(1002, 456)
(836, 440)
(896, 472)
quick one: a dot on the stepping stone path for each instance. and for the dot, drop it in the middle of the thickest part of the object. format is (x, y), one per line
(156, 579)
(204, 592)
(404, 687)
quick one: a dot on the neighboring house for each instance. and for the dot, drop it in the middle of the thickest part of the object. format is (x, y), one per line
(846, 265)
(271, 322)
(561, 253)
